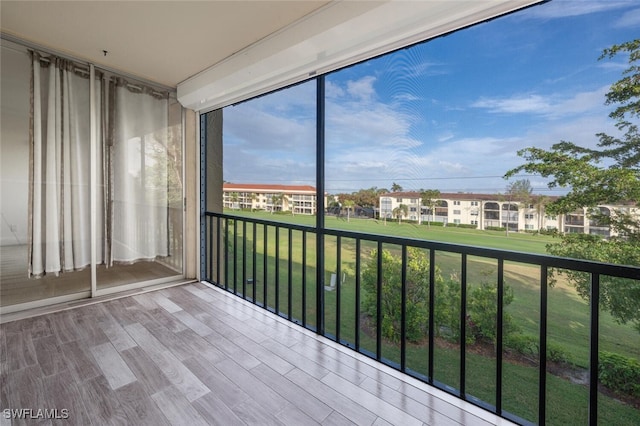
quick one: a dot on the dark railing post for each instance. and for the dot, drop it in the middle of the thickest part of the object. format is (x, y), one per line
(304, 279)
(379, 304)
(209, 221)
(594, 299)
(338, 285)
(463, 327)
(357, 331)
(499, 321)
(289, 273)
(218, 257)
(265, 262)
(542, 385)
(320, 151)
(244, 259)
(277, 270)
(226, 254)
(235, 256)
(403, 310)
(254, 269)
(432, 306)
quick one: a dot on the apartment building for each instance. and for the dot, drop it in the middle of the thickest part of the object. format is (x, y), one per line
(298, 199)
(487, 211)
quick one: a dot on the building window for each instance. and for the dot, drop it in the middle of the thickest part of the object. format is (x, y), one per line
(528, 216)
(456, 203)
(456, 221)
(399, 200)
(456, 212)
(528, 227)
(474, 203)
(474, 222)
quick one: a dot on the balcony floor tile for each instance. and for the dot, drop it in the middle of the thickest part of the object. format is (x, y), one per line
(194, 354)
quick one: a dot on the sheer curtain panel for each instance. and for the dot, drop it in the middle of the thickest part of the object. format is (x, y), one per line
(59, 167)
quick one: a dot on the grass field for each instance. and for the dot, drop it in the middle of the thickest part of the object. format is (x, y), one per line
(568, 316)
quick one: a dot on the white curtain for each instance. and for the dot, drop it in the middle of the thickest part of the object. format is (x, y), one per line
(132, 163)
(60, 164)
(139, 180)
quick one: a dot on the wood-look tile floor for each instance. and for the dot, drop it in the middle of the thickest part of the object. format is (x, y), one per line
(194, 355)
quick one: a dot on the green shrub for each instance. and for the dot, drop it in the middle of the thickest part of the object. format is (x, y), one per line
(524, 344)
(619, 373)
(529, 345)
(482, 308)
(433, 223)
(465, 225)
(417, 307)
(557, 353)
(495, 228)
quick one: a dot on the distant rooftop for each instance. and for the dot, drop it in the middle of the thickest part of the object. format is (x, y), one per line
(258, 187)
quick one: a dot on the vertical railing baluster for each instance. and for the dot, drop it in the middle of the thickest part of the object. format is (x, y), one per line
(304, 279)
(254, 269)
(235, 256)
(218, 256)
(357, 333)
(463, 326)
(338, 284)
(244, 259)
(432, 304)
(209, 222)
(499, 322)
(379, 304)
(265, 260)
(542, 374)
(403, 310)
(277, 271)
(289, 273)
(594, 300)
(226, 254)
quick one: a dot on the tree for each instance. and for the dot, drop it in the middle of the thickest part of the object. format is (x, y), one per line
(417, 292)
(396, 187)
(607, 174)
(401, 210)
(348, 204)
(276, 199)
(234, 197)
(519, 191)
(540, 204)
(428, 199)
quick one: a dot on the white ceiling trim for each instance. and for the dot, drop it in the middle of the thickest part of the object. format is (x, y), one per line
(340, 34)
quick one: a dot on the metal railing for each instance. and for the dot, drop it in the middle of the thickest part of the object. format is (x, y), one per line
(275, 265)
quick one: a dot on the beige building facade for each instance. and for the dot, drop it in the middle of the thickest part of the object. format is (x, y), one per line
(487, 211)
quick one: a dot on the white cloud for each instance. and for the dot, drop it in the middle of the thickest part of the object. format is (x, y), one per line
(630, 19)
(515, 105)
(551, 106)
(362, 89)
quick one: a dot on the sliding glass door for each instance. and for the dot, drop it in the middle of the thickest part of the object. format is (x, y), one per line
(92, 187)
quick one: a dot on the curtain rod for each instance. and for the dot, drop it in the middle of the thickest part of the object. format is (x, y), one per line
(31, 45)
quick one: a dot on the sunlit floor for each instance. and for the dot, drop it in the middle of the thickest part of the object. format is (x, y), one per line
(195, 355)
(16, 286)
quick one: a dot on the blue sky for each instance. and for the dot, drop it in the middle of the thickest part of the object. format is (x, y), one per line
(447, 114)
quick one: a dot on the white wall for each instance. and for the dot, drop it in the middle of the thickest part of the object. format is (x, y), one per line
(14, 143)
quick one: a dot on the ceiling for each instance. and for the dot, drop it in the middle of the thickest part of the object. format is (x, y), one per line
(162, 41)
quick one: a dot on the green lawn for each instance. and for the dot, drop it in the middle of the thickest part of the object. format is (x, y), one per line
(568, 316)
